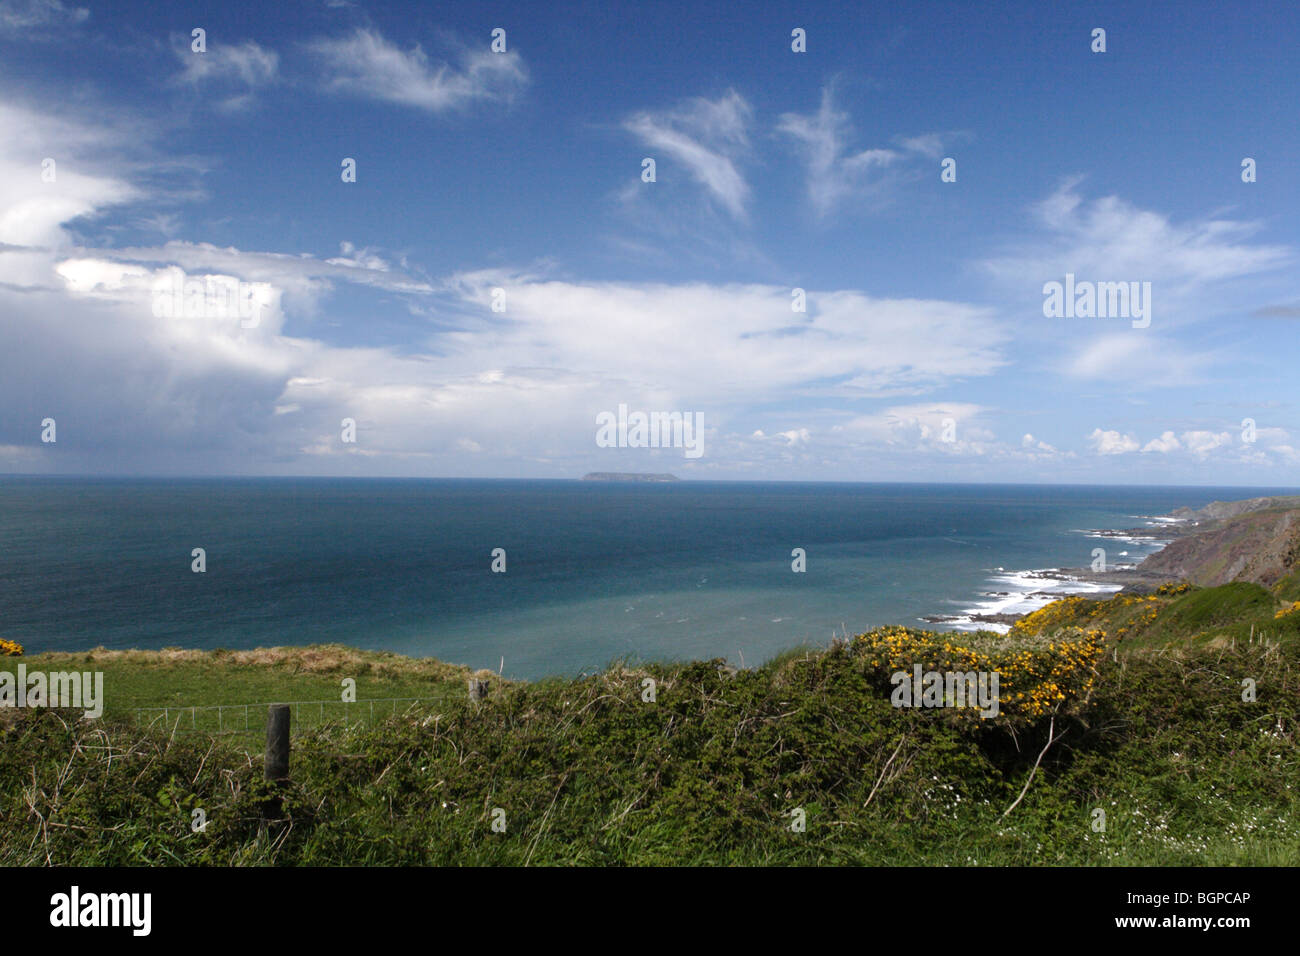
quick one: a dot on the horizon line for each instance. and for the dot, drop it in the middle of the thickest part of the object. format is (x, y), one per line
(680, 480)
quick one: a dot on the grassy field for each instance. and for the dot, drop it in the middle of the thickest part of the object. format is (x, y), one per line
(1123, 738)
(179, 691)
(187, 678)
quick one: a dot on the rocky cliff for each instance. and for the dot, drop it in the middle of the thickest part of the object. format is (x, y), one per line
(1254, 540)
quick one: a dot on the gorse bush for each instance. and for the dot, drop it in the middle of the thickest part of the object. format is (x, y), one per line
(1032, 680)
(10, 648)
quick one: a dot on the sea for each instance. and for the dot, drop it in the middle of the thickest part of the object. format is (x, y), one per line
(586, 573)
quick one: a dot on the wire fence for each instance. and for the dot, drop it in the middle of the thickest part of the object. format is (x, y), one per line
(251, 718)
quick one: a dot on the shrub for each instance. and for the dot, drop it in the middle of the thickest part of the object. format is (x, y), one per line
(1032, 679)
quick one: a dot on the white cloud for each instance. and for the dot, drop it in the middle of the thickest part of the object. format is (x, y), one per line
(1111, 240)
(725, 343)
(1199, 443)
(366, 64)
(707, 137)
(130, 384)
(1166, 443)
(949, 427)
(1112, 442)
(34, 212)
(1202, 443)
(304, 278)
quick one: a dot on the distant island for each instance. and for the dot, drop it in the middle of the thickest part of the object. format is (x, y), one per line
(626, 476)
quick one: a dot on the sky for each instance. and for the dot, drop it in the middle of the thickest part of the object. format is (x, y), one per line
(419, 239)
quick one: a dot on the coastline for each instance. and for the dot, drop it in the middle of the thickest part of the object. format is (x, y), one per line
(1021, 592)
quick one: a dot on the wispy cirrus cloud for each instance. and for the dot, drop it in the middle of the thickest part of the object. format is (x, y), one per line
(247, 62)
(836, 174)
(1109, 238)
(368, 65)
(20, 15)
(1148, 360)
(246, 66)
(708, 138)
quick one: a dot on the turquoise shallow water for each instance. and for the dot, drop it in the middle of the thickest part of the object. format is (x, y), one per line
(595, 571)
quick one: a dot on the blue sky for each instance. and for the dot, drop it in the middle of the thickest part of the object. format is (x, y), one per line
(923, 354)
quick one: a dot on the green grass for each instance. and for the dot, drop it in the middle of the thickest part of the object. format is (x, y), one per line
(1204, 611)
(178, 678)
(1212, 607)
(1288, 587)
(178, 691)
(1239, 611)
(587, 772)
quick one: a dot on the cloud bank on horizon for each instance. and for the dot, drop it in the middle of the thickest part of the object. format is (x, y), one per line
(395, 240)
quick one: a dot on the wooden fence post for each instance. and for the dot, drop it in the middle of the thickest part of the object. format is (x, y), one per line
(277, 756)
(478, 689)
(277, 743)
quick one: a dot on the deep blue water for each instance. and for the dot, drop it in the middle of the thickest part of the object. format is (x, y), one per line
(595, 571)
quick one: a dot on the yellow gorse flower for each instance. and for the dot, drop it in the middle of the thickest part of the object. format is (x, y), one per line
(1031, 680)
